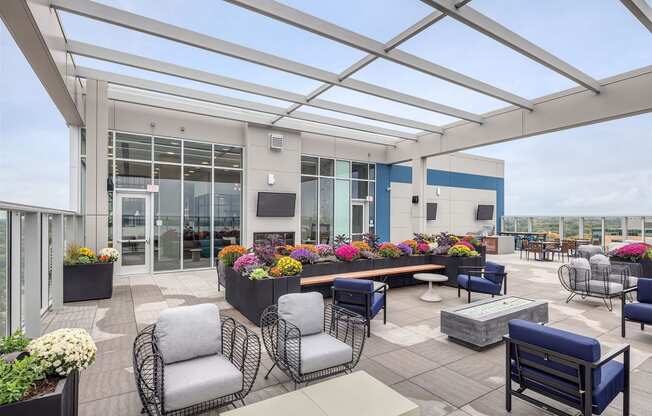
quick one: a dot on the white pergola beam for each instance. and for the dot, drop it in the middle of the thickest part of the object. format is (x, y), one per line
(623, 95)
(337, 33)
(476, 20)
(641, 10)
(172, 103)
(178, 34)
(183, 92)
(162, 67)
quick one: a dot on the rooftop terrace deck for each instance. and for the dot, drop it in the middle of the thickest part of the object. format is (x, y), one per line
(409, 353)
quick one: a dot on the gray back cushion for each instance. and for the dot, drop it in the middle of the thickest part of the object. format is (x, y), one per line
(305, 310)
(189, 332)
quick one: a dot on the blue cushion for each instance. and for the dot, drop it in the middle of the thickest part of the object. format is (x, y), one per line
(644, 291)
(639, 312)
(377, 303)
(563, 342)
(478, 284)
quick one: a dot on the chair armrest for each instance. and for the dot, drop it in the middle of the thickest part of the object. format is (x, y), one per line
(242, 347)
(619, 349)
(346, 326)
(149, 370)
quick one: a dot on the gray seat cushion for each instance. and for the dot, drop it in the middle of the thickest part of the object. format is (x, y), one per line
(189, 332)
(321, 351)
(599, 287)
(305, 310)
(199, 380)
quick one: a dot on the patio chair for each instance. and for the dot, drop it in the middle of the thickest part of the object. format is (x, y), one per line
(597, 279)
(364, 297)
(640, 311)
(192, 361)
(565, 367)
(490, 279)
(309, 341)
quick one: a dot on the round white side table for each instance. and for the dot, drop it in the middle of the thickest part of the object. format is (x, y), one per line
(430, 295)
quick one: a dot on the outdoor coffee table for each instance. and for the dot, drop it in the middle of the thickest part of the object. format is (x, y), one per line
(356, 394)
(430, 295)
(484, 322)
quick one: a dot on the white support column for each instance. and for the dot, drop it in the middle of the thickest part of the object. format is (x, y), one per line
(57, 261)
(32, 262)
(419, 170)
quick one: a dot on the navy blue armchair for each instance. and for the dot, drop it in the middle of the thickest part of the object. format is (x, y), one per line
(640, 311)
(364, 297)
(490, 279)
(565, 367)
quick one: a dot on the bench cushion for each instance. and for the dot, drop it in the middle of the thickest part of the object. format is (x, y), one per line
(199, 380)
(304, 310)
(188, 332)
(323, 351)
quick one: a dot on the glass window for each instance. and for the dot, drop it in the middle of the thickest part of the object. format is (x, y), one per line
(226, 208)
(359, 170)
(372, 172)
(167, 217)
(4, 265)
(342, 207)
(132, 175)
(196, 217)
(326, 202)
(132, 146)
(326, 167)
(308, 165)
(342, 169)
(309, 209)
(228, 157)
(593, 230)
(167, 150)
(359, 189)
(571, 227)
(634, 231)
(197, 153)
(613, 230)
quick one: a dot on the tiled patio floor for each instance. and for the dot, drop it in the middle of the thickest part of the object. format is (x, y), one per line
(409, 353)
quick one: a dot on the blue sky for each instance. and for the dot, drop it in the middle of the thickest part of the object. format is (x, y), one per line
(548, 175)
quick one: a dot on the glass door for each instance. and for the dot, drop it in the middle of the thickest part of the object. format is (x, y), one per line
(132, 228)
(359, 222)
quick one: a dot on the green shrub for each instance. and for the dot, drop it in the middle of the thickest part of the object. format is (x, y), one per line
(14, 343)
(17, 378)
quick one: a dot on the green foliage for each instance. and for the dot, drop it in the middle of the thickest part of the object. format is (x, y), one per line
(14, 343)
(17, 378)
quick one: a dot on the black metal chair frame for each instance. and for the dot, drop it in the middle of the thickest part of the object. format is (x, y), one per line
(622, 312)
(582, 381)
(368, 300)
(481, 272)
(584, 288)
(240, 346)
(282, 340)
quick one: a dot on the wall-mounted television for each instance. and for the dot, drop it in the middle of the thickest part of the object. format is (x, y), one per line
(431, 211)
(485, 212)
(275, 204)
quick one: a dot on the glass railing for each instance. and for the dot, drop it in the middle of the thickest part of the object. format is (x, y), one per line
(600, 230)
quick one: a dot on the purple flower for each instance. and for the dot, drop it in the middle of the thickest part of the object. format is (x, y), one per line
(304, 256)
(405, 249)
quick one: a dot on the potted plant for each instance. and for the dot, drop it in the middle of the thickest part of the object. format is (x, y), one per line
(87, 276)
(41, 377)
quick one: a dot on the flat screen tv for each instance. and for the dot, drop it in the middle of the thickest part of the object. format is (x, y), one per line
(431, 211)
(485, 212)
(275, 204)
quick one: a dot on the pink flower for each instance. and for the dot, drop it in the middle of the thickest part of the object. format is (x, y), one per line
(347, 252)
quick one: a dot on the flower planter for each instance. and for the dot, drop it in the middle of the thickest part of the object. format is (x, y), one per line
(453, 264)
(63, 401)
(251, 297)
(87, 282)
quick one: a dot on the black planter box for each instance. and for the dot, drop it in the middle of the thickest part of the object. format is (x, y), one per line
(87, 282)
(251, 297)
(63, 401)
(452, 265)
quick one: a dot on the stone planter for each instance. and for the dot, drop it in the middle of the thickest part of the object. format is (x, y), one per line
(453, 264)
(251, 297)
(87, 282)
(63, 401)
